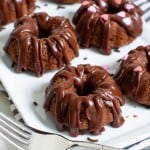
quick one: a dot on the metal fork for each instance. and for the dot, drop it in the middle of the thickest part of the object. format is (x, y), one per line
(24, 138)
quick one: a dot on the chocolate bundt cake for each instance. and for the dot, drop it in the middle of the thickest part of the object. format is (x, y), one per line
(84, 98)
(107, 24)
(11, 10)
(40, 43)
(133, 75)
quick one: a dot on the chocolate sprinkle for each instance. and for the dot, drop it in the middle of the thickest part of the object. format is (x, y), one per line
(37, 6)
(127, 116)
(35, 103)
(2, 28)
(119, 60)
(85, 58)
(135, 116)
(60, 7)
(116, 49)
(92, 140)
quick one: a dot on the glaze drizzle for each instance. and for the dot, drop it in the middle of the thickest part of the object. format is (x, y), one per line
(84, 92)
(125, 13)
(13, 9)
(39, 31)
(135, 71)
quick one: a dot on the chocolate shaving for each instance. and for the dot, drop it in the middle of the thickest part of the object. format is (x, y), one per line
(119, 60)
(35, 103)
(60, 7)
(2, 28)
(85, 58)
(116, 49)
(37, 6)
(135, 116)
(92, 140)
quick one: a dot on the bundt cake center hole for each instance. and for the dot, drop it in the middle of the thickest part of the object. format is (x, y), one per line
(112, 10)
(43, 33)
(85, 90)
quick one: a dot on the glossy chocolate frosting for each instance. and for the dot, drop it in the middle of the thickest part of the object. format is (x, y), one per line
(66, 1)
(40, 31)
(83, 92)
(133, 75)
(124, 13)
(13, 9)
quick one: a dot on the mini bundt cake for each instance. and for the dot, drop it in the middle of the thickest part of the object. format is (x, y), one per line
(40, 43)
(84, 98)
(133, 75)
(107, 24)
(11, 10)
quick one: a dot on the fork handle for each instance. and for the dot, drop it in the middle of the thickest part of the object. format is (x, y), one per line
(89, 145)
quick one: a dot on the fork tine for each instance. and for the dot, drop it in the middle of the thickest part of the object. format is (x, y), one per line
(12, 138)
(15, 133)
(16, 124)
(14, 129)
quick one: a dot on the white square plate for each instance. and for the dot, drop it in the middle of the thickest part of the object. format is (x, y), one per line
(24, 88)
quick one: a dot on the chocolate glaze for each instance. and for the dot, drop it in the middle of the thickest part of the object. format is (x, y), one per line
(133, 75)
(66, 1)
(29, 31)
(7, 16)
(84, 90)
(126, 14)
